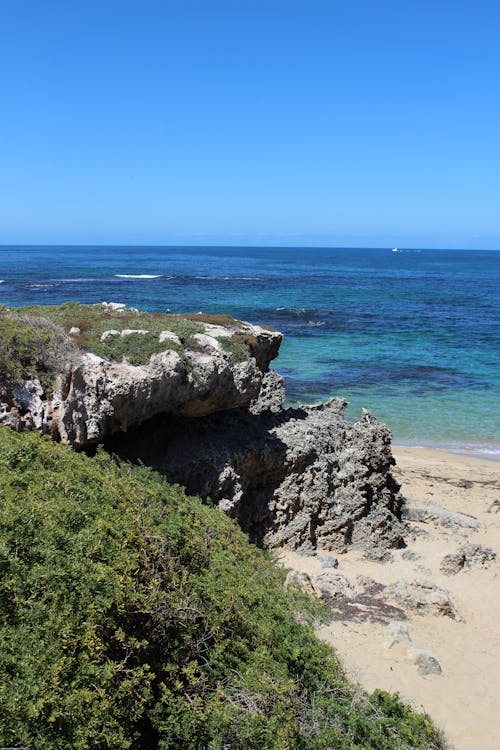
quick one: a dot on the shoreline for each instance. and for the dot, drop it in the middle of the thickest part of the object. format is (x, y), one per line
(480, 451)
(462, 699)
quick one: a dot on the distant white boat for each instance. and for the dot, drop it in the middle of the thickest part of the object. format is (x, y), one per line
(395, 249)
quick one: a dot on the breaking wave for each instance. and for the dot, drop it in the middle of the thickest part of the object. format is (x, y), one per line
(138, 275)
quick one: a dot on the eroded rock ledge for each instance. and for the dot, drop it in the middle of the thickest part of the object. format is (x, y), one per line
(95, 398)
(307, 477)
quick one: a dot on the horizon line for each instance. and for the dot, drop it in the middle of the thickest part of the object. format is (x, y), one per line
(240, 246)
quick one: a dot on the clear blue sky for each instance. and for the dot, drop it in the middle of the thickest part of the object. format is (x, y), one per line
(246, 122)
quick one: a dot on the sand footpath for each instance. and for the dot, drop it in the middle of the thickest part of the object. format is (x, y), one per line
(438, 614)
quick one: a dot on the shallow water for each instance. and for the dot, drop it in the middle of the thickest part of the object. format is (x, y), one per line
(413, 336)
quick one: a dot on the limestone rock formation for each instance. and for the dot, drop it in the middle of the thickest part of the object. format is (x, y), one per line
(96, 398)
(306, 478)
(210, 416)
(437, 515)
(423, 597)
(397, 634)
(466, 556)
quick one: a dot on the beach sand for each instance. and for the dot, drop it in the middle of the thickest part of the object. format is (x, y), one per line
(464, 700)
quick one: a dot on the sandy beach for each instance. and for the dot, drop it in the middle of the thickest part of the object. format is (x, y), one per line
(418, 624)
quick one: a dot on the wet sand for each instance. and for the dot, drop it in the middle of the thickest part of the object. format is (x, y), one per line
(464, 700)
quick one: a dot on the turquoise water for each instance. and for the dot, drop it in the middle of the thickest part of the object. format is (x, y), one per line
(413, 336)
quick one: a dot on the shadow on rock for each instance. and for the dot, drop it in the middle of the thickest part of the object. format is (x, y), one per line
(306, 478)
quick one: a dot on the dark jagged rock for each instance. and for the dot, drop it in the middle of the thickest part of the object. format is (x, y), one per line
(466, 556)
(307, 478)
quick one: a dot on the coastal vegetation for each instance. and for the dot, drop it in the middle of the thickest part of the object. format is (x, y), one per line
(36, 340)
(31, 345)
(134, 616)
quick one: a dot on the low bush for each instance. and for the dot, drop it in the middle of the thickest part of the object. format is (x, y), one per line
(133, 616)
(93, 320)
(223, 319)
(31, 344)
(135, 348)
(35, 340)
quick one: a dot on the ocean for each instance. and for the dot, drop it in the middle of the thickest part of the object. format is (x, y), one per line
(412, 335)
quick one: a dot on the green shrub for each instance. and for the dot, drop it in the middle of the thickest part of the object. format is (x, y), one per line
(136, 348)
(31, 345)
(35, 340)
(93, 320)
(216, 320)
(133, 616)
(237, 350)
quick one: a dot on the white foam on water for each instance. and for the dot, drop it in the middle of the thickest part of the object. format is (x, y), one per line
(295, 310)
(138, 275)
(483, 450)
(75, 280)
(230, 278)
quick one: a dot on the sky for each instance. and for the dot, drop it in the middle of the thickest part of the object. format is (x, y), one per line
(320, 122)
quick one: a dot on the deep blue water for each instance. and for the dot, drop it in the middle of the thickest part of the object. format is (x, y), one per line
(413, 336)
